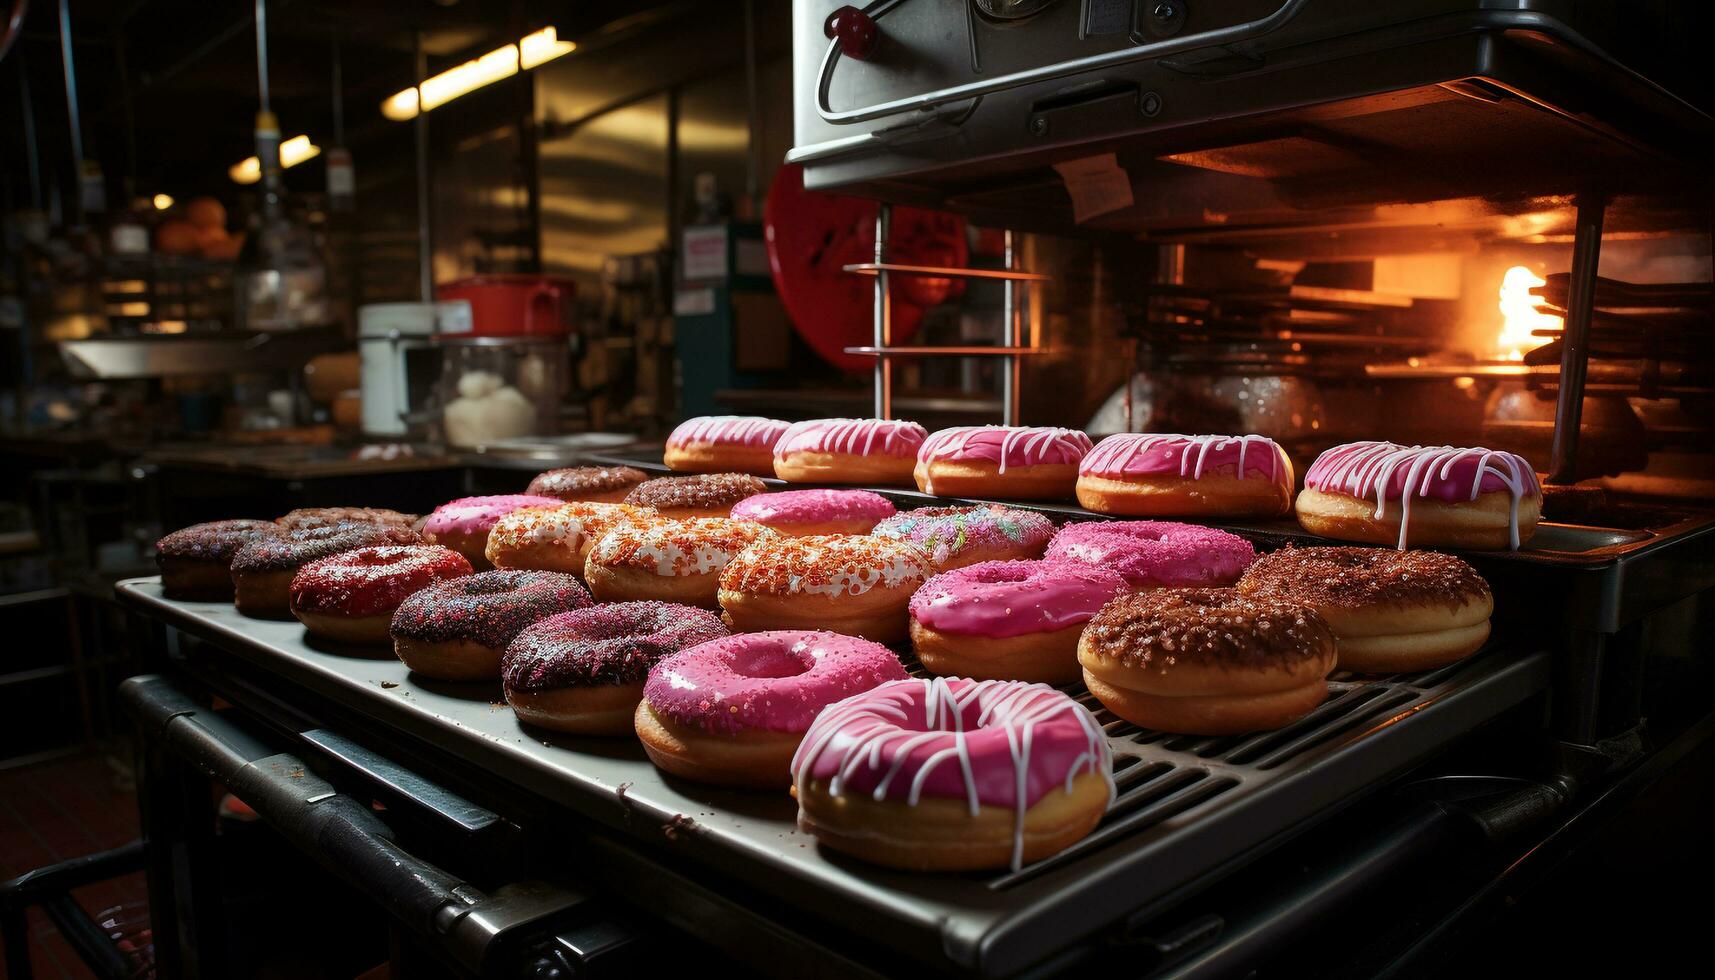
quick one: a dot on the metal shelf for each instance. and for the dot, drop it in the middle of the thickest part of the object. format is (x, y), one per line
(944, 272)
(975, 351)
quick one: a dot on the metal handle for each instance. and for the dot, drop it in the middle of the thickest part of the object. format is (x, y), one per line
(1246, 31)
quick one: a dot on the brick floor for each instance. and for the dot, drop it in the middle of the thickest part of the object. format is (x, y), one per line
(57, 810)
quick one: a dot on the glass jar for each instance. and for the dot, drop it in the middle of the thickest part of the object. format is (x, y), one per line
(498, 388)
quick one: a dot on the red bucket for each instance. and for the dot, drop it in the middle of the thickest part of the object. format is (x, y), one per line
(512, 305)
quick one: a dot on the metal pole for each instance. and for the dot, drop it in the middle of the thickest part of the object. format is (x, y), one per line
(32, 152)
(76, 122)
(425, 258)
(338, 95)
(1010, 365)
(1575, 338)
(883, 319)
(261, 54)
(752, 110)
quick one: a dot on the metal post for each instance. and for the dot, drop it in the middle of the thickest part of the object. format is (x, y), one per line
(32, 153)
(74, 120)
(1575, 338)
(425, 257)
(883, 320)
(1011, 373)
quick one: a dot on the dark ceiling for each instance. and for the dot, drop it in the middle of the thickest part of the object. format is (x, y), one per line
(168, 88)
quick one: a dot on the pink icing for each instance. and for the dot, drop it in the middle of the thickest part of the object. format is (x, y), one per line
(1006, 445)
(1156, 553)
(989, 743)
(855, 437)
(1014, 598)
(728, 430)
(1382, 471)
(813, 506)
(776, 681)
(1152, 454)
(471, 515)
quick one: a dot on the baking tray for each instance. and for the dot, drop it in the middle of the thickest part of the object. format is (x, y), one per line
(1187, 806)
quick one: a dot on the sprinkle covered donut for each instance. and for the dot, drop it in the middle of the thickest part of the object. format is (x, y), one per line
(457, 629)
(953, 774)
(351, 597)
(1207, 661)
(732, 711)
(878, 451)
(463, 524)
(673, 561)
(1429, 496)
(196, 561)
(1010, 462)
(702, 495)
(587, 484)
(801, 512)
(1155, 475)
(957, 536)
(583, 671)
(556, 539)
(262, 570)
(724, 443)
(1009, 620)
(307, 517)
(1155, 554)
(851, 584)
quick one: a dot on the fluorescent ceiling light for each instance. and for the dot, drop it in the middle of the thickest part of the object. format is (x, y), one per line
(292, 152)
(503, 62)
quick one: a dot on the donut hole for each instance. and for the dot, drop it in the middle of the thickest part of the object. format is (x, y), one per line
(770, 661)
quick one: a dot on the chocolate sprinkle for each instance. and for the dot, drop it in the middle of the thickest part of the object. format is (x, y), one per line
(215, 541)
(609, 644)
(308, 517)
(1353, 578)
(1210, 627)
(488, 608)
(703, 490)
(572, 483)
(295, 549)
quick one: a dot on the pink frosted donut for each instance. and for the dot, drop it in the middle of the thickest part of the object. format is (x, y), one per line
(1156, 554)
(950, 774)
(1013, 462)
(880, 451)
(953, 537)
(463, 524)
(1446, 497)
(1009, 620)
(724, 444)
(732, 710)
(1158, 475)
(804, 512)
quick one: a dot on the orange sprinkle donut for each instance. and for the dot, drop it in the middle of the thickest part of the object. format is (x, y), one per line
(849, 584)
(672, 561)
(556, 539)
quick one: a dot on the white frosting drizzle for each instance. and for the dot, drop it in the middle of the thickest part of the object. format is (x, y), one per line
(1035, 443)
(752, 429)
(855, 437)
(1115, 453)
(1366, 469)
(871, 725)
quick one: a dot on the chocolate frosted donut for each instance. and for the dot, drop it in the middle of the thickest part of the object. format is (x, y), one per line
(457, 629)
(1392, 610)
(195, 561)
(1207, 661)
(702, 495)
(308, 517)
(597, 484)
(262, 570)
(583, 671)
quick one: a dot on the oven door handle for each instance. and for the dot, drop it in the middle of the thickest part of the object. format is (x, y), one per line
(472, 927)
(1232, 34)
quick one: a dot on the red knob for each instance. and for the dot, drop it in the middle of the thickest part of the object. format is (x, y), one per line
(855, 30)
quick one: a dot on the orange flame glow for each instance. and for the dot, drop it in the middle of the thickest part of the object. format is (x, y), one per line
(1521, 315)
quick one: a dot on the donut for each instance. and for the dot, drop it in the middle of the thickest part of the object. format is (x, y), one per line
(957, 536)
(463, 524)
(1207, 661)
(262, 570)
(953, 774)
(1154, 554)
(732, 711)
(673, 561)
(1012, 462)
(458, 628)
(196, 561)
(874, 451)
(305, 517)
(724, 444)
(801, 512)
(701, 495)
(587, 484)
(1009, 620)
(1391, 611)
(850, 584)
(1427, 496)
(556, 539)
(351, 597)
(583, 671)
(1150, 475)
